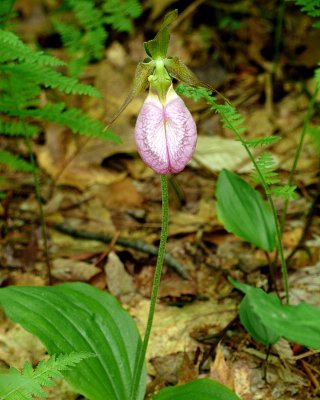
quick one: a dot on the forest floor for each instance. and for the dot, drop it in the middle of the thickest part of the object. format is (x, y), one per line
(107, 190)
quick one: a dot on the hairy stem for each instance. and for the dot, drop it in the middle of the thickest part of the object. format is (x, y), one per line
(141, 355)
(41, 213)
(271, 203)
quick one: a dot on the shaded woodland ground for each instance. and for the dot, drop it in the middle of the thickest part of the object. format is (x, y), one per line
(107, 190)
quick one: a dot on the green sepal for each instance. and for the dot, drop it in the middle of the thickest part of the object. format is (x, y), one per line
(140, 83)
(157, 48)
(178, 70)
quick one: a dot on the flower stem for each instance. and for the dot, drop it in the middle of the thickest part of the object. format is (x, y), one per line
(141, 355)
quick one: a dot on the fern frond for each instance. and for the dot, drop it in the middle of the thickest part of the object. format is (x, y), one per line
(267, 140)
(70, 35)
(314, 133)
(12, 48)
(49, 78)
(119, 13)
(5, 11)
(196, 93)
(267, 168)
(75, 119)
(310, 7)
(23, 385)
(231, 119)
(286, 192)
(15, 162)
(17, 128)
(89, 16)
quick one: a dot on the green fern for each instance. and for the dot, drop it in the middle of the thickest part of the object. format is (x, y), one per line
(286, 192)
(267, 167)
(18, 128)
(75, 119)
(23, 385)
(83, 31)
(311, 8)
(232, 120)
(265, 141)
(24, 74)
(119, 13)
(5, 11)
(12, 48)
(15, 162)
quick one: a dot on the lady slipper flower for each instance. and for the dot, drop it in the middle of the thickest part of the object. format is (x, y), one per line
(165, 133)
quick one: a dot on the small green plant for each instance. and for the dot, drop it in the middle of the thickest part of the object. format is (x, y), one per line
(23, 74)
(83, 27)
(22, 385)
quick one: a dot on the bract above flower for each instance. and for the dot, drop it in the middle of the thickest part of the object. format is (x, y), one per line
(166, 134)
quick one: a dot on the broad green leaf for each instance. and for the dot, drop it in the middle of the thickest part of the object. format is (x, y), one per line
(201, 389)
(76, 317)
(298, 323)
(243, 212)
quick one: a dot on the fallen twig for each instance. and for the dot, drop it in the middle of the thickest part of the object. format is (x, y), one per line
(138, 245)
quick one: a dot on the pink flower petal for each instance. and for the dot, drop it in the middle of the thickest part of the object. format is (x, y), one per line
(166, 135)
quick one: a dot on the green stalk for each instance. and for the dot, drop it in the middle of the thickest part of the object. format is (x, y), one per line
(41, 213)
(277, 36)
(298, 152)
(141, 355)
(274, 212)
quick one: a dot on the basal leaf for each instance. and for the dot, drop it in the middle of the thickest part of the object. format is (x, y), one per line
(265, 318)
(76, 317)
(243, 212)
(202, 389)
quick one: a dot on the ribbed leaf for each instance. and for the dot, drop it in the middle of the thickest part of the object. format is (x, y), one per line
(76, 317)
(243, 212)
(266, 319)
(202, 389)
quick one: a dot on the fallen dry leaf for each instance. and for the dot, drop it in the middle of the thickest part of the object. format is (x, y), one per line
(68, 270)
(220, 370)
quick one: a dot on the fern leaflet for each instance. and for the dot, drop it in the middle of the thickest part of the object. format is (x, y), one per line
(17, 128)
(267, 168)
(310, 7)
(75, 119)
(23, 385)
(15, 162)
(286, 192)
(119, 13)
(12, 48)
(267, 140)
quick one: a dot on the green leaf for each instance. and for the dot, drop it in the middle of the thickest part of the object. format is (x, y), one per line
(76, 317)
(251, 318)
(265, 318)
(243, 212)
(202, 389)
